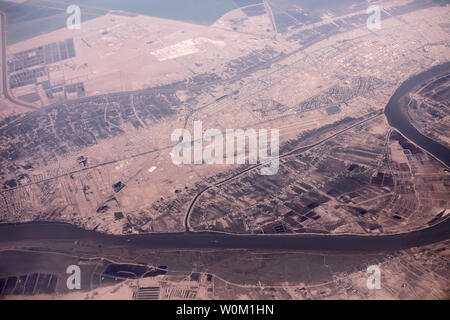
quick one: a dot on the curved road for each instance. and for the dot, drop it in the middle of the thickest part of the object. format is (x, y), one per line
(290, 153)
(5, 68)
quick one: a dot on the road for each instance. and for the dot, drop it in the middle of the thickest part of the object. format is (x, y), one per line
(292, 152)
(5, 69)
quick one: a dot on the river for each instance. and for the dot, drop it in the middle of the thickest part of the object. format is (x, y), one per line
(398, 118)
(335, 243)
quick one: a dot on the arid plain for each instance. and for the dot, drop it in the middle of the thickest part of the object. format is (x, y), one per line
(89, 142)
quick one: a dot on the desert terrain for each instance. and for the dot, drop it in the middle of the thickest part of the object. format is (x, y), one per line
(86, 118)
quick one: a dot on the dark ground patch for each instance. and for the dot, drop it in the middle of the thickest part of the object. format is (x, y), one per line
(254, 10)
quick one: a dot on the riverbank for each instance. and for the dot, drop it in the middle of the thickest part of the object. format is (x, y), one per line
(397, 116)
